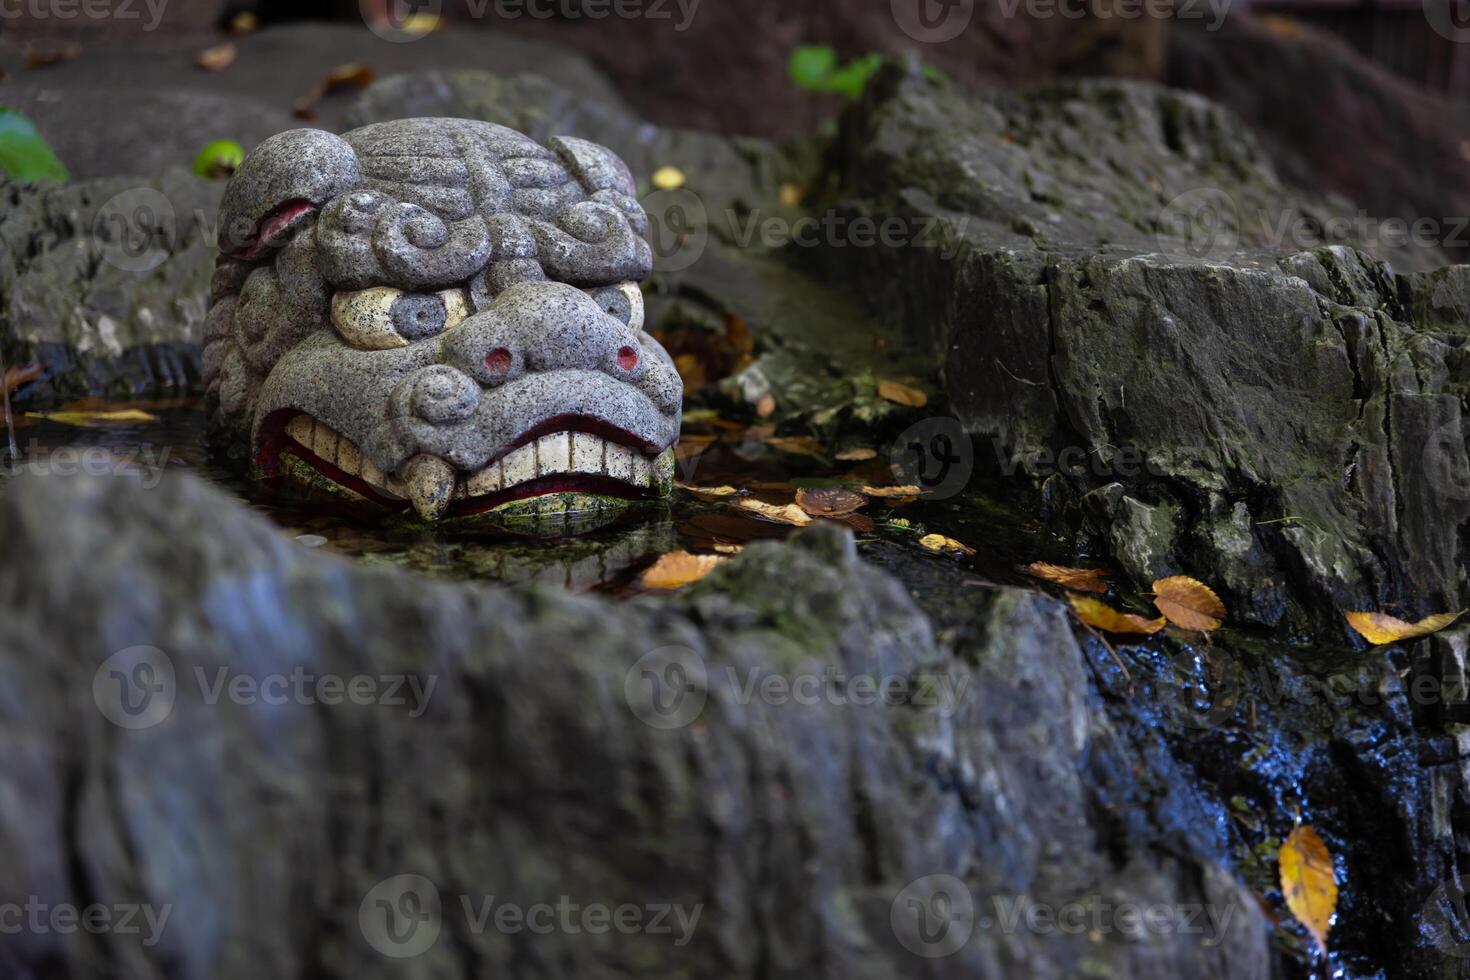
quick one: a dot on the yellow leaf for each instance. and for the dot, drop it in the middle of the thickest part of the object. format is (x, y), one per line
(708, 491)
(830, 501)
(668, 178)
(790, 194)
(938, 542)
(1309, 882)
(729, 549)
(1081, 579)
(679, 568)
(906, 491)
(902, 394)
(1189, 603)
(1100, 615)
(787, 514)
(89, 418)
(1383, 628)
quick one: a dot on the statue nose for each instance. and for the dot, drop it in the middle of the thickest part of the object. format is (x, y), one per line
(538, 327)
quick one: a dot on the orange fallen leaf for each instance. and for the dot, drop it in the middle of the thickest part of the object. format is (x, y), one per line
(343, 76)
(904, 491)
(1100, 615)
(1380, 628)
(940, 543)
(830, 501)
(1081, 579)
(679, 568)
(901, 394)
(217, 58)
(857, 455)
(1188, 603)
(1309, 882)
(784, 514)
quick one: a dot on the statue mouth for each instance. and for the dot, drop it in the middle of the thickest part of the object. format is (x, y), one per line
(566, 465)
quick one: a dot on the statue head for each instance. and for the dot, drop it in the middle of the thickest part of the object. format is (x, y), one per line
(442, 317)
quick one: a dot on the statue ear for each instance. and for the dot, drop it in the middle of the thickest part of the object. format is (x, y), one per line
(281, 183)
(594, 166)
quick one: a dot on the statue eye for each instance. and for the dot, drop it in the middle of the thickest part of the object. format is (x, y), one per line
(622, 302)
(382, 318)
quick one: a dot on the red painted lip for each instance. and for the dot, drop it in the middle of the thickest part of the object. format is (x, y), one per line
(272, 227)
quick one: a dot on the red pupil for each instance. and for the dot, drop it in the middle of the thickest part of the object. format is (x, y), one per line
(627, 358)
(498, 360)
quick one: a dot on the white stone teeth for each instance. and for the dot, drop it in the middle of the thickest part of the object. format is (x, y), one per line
(620, 463)
(642, 470)
(488, 480)
(300, 429)
(349, 459)
(371, 473)
(586, 453)
(554, 454)
(663, 468)
(324, 442)
(519, 466)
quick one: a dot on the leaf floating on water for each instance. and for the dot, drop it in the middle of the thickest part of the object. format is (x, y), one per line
(857, 455)
(678, 568)
(1081, 579)
(1309, 882)
(904, 491)
(830, 501)
(93, 418)
(901, 394)
(784, 514)
(217, 58)
(1100, 615)
(796, 445)
(1379, 628)
(343, 76)
(938, 542)
(1189, 603)
(668, 178)
(708, 492)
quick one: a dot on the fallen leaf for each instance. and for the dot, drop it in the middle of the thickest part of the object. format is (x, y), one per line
(784, 514)
(217, 58)
(1189, 603)
(1379, 628)
(904, 491)
(830, 501)
(861, 523)
(1081, 579)
(766, 406)
(243, 23)
(857, 455)
(1100, 615)
(790, 195)
(728, 549)
(679, 568)
(938, 542)
(89, 418)
(45, 57)
(712, 492)
(1309, 882)
(902, 394)
(343, 76)
(798, 445)
(19, 374)
(668, 178)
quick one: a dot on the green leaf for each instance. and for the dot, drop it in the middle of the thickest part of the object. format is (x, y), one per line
(219, 159)
(24, 155)
(853, 77)
(811, 64)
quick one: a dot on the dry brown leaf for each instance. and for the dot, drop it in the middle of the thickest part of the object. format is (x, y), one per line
(729, 549)
(938, 542)
(1380, 628)
(679, 568)
(798, 445)
(343, 76)
(1188, 603)
(217, 58)
(901, 394)
(857, 455)
(830, 501)
(1081, 579)
(784, 514)
(712, 493)
(1100, 615)
(1309, 882)
(45, 57)
(904, 491)
(861, 523)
